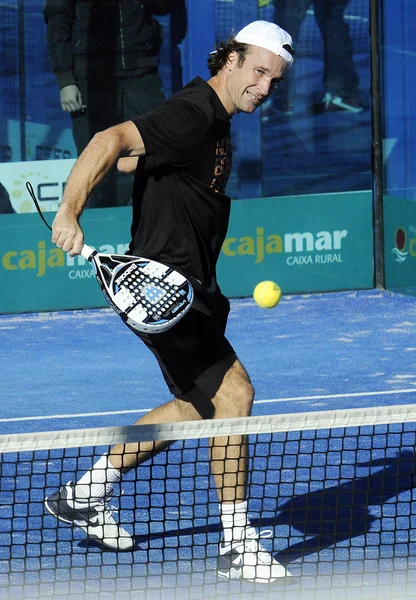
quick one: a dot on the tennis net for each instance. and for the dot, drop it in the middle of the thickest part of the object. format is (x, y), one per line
(334, 489)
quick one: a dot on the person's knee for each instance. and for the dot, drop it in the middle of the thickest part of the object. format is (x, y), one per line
(194, 405)
(243, 401)
(235, 400)
(223, 391)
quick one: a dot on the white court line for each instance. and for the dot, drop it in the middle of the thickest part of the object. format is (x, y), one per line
(350, 395)
(77, 415)
(271, 401)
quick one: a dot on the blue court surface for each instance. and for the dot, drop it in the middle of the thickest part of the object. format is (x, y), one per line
(317, 352)
(338, 503)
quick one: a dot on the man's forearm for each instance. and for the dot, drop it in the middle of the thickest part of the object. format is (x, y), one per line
(91, 167)
(102, 152)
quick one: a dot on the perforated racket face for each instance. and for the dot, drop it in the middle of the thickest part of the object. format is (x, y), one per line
(149, 296)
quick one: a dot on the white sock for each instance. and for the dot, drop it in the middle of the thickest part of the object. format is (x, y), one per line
(98, 482)
(234, 520)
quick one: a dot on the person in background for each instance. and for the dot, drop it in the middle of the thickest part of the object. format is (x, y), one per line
(5, 204)
(104, 54)
(340, 78)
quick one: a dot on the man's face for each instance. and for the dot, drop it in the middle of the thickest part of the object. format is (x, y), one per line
(252, 82)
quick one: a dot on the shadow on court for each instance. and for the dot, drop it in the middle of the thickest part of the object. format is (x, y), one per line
(327, 517)
(330, 516)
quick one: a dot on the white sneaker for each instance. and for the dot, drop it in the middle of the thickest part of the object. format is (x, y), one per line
(95, 517)
(248, 559)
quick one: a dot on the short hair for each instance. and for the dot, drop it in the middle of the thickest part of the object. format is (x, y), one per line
(218, 58)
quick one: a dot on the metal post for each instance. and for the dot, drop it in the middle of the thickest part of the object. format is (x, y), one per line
(377, 143)
(199, 39)
(22, 77)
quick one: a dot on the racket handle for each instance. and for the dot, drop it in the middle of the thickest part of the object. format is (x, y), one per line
(87, 252)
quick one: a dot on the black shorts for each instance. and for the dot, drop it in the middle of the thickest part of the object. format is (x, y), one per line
(192, 345)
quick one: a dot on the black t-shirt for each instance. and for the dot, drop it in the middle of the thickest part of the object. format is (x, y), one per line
(180, 209)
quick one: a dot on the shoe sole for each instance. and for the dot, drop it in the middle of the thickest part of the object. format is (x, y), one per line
(51, 508)
(235, 572)
(229, 577)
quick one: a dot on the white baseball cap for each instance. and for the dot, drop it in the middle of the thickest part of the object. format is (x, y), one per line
(266, 35)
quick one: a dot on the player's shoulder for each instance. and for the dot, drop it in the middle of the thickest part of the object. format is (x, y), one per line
(197, 93)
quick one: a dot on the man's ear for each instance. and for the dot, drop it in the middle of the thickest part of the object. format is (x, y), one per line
(231, 60)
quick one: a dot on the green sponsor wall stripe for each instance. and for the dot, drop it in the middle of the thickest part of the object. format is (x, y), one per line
(400, 244)
(305, 244)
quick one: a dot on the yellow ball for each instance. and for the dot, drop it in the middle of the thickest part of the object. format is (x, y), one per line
(267, 294)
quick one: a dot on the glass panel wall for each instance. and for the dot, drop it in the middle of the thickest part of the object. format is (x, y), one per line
(313, 137)
(315, 134)
(398, 83)
(34, 128)
(398, 60)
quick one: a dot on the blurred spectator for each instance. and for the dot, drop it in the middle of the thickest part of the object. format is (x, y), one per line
(178, 28)
(5, 204)
(340, 77)
(104, 54)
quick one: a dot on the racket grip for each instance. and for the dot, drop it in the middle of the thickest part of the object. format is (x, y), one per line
(87, 251)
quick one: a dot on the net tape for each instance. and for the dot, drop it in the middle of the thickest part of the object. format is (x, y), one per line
(302, 421)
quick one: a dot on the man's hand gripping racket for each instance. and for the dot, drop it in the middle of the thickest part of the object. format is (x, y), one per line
(149, 296)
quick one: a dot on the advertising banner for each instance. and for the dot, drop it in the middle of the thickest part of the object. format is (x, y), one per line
(43, 142)
(305, 244)
(36, 276)
(400, 244)
(48, 178)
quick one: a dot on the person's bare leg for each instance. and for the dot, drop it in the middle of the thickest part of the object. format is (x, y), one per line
(85, 502)
(241, 554)
(127, 456)
(231, 392)
(222, 391)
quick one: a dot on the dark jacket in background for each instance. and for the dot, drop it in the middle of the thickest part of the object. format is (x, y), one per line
(94, 38)
(5, 204)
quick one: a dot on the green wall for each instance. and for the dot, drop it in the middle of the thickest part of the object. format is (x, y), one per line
(305, 244)
(400, 244)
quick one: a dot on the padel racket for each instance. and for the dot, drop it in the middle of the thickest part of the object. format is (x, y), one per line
(149, 296)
